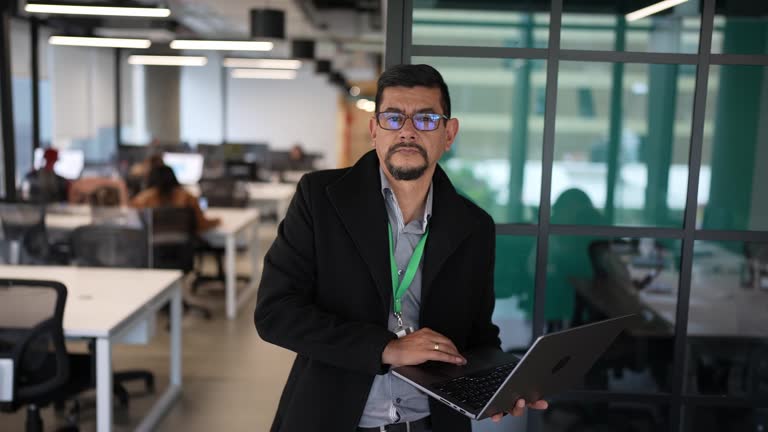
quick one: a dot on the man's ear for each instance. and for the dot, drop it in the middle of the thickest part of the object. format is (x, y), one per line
(451, 130)
(372, 130)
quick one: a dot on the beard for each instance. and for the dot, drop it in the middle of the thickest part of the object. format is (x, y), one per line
(406, 173)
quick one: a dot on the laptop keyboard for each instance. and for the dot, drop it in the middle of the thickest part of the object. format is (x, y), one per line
(476, 390)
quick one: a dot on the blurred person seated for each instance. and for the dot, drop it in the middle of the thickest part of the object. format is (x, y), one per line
(138, 174)
(44, 185)
(164, 190)
(81, 191)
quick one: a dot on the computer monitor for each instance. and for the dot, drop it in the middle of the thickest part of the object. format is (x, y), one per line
(70, 164)
(246, 152)
(188, 167)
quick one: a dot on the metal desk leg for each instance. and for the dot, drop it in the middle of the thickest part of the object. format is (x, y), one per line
(231, 276)
(103, 385)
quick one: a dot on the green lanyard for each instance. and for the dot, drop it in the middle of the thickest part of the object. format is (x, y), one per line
(399, 289)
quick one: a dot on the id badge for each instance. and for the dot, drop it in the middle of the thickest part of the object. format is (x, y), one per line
(401, 331)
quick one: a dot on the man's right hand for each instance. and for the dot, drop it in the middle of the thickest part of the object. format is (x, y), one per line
(419, 347)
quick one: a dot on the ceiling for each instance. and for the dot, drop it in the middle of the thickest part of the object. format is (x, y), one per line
(349, 32)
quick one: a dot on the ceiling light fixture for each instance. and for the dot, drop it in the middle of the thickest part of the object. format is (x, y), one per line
(222, 45)
(652, 9)
(145, 12)
(232, 62)
(158, 60)
(264, 74)
(100, 42)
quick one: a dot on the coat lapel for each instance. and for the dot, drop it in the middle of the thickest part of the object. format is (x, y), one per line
(358, 200)
(359, 203)
(450, 224)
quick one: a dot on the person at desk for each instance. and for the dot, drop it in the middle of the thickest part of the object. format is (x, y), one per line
(164, 190)
(44, 185)
(298, 159)
(344, 284)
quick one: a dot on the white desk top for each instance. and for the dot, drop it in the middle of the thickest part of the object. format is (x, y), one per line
(100, 300)
(270, 191)
(232, 219)
(718, 305)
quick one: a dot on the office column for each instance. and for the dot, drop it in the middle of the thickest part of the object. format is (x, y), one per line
(737, 122)
(161, 92)
(6, 108)
(660, 136)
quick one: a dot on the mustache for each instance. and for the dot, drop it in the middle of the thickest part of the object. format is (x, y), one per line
(408, 145)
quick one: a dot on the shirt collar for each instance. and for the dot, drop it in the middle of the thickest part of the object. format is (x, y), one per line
(386, 190)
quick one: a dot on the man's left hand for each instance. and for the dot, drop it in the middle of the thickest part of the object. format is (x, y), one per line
(519, 408)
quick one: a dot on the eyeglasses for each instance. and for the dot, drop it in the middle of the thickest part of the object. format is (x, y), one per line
(421, 121)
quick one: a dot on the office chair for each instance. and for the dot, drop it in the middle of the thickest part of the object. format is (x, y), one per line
(25, 231)
(114, 246)
(32, 338)
(219, 193)
(241, 170)
(173, 241)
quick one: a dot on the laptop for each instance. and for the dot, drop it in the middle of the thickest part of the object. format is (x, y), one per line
(492, 380)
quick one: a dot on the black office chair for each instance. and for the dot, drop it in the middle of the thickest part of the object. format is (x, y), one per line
(223, 192)
(24, 225)
(114, 246)
(110, 246)
(32, 338)
(173, 241)
(241, 170)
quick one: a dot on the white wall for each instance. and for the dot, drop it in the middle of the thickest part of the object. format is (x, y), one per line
(284, 112)
(83, 93)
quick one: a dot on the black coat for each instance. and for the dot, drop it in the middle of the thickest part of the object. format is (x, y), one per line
(326, 292)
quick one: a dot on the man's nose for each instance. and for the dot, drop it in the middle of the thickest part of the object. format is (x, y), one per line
(408, 131)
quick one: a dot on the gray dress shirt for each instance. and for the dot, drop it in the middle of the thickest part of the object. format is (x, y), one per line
(392, 400)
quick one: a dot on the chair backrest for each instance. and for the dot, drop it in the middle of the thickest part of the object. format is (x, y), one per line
(242, 170)
(605, 256)
(172, 237)
(224, 192)
(46, 187)
(110, 246)
(25, 223)
(31, 335)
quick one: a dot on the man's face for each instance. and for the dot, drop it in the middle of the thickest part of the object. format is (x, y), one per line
(409, 153)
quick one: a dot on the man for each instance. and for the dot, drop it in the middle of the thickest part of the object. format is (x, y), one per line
(44, 185)
(380, 265)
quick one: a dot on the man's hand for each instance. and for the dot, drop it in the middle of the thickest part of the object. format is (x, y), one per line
(519, 408)
(419, 347)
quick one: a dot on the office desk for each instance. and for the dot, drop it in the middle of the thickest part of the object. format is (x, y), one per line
(280, 194)
(277, 194)
(718, 305)
(235, 223)
(108, 305)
